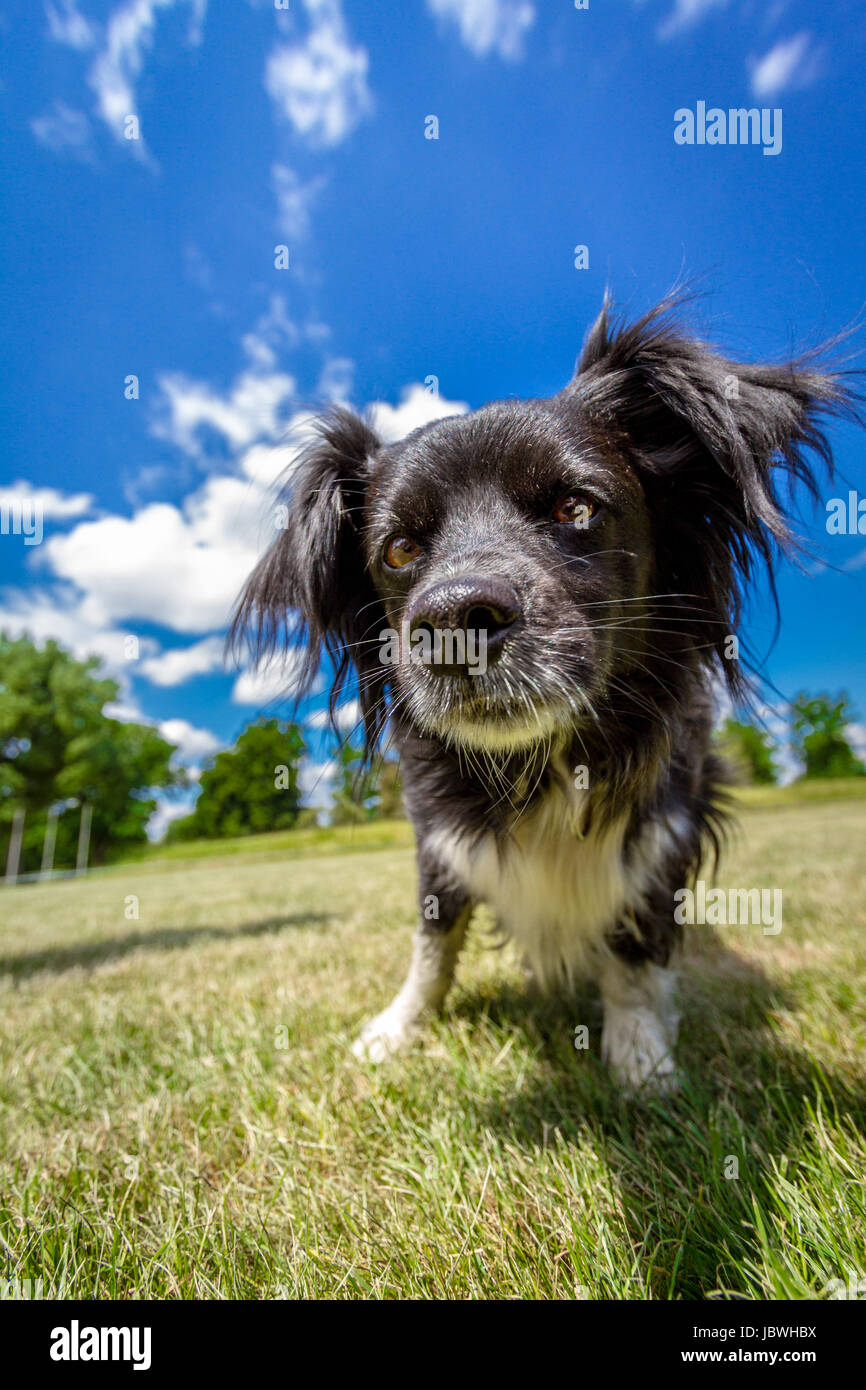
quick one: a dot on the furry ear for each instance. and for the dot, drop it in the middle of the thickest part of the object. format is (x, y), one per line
(312, 587)
(713, 440)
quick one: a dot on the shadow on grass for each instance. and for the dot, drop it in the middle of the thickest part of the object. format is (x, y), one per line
(745, 1094)
(56, 959)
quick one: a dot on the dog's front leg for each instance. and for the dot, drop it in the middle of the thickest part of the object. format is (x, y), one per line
(640, 1025)
(435, 949)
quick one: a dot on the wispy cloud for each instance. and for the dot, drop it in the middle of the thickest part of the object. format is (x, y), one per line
(51, 504)
(182, 663)
(127, 39)
(67, 25)
(191, 742)
(275, 678)
(488, 26)
(295, 199)
(64, 131)
(347, 717)
(791, 64)
(320, 84)
(686, 14)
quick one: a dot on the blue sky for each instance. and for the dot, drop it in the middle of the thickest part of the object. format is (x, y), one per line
(409, 258)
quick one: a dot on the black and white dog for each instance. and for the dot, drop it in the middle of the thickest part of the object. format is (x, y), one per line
(595, 547)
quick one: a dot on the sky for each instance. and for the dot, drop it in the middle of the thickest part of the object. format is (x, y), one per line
(161, 357)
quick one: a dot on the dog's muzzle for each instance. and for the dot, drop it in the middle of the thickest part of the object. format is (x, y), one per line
(485, 611)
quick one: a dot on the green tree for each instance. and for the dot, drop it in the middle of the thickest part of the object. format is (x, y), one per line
(354, 795)
(389, 791)
(749, 750)
(47, 700)
(819, 726)
(365, 793)
(56, 745)
(250, 788)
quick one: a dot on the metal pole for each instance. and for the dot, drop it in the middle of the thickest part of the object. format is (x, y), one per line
(83, 837)
(49, 843)
(14, 856)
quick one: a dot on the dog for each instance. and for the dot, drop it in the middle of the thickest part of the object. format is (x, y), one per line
(597, 546)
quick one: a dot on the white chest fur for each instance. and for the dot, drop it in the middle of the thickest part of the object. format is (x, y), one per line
(554, 892)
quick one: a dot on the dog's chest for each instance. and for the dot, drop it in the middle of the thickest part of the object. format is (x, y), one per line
(554, 891)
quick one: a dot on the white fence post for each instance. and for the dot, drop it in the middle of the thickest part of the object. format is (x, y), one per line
(83, 837)
(49, 843)
(13, 857)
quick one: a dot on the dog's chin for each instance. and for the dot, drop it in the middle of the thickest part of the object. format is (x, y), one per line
(497, 729)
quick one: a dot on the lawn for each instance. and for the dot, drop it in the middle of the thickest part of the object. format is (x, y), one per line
(181, 1115)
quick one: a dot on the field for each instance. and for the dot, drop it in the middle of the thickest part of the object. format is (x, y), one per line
(182, 1118)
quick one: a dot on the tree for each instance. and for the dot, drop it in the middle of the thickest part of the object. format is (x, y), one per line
(818, 736)
(57, 745)
(47, 699)
(749, 750)
(249, 788)
(354, 796)
(365, 793)
(389, 791)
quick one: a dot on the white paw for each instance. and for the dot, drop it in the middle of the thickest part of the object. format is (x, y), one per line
(636, 1045)
(384, 1035)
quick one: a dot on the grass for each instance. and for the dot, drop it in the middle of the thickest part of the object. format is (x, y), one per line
(181, 1116)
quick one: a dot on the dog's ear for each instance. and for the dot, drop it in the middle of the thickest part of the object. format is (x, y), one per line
(718, 445)
(312, 587)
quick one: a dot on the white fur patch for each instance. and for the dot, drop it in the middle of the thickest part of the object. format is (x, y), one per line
(555, 891)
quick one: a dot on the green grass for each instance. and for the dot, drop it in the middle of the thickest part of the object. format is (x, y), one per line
(312, 839)
(180, 1115)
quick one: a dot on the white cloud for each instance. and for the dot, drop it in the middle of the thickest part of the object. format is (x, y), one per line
(272, 333)
(856, 735)
(855, 563)
(60, 614)
(182, 663)
(488, 26)
(790, 64)
(686, 14)
(127, 39)
(266, 463)
(167, 811)
(273, 679)
(294, 200)
(255, 407)
(192, 743)
(67, 25)
(178, 567)
(417, 407)
(320, 84)
(335, 382)
(64, 131)
(315, 782)
(49, 502)
(348, 715)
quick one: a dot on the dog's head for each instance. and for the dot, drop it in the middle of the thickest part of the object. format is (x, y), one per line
(510, 573)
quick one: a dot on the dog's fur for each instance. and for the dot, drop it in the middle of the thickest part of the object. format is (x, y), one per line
(619, 641)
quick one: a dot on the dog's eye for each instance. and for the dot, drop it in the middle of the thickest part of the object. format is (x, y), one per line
(400, 551)
(575, 509)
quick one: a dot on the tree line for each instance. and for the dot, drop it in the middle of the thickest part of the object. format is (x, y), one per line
(60, 752)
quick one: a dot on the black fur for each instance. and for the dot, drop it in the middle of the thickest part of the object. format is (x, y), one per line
(624, 624)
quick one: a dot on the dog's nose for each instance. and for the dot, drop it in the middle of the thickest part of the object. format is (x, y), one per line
(468, 621)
